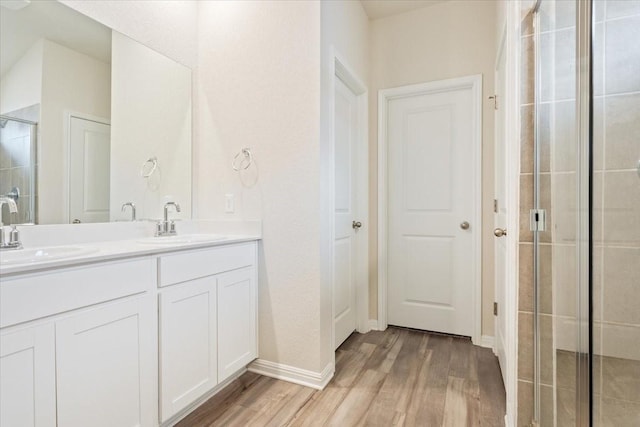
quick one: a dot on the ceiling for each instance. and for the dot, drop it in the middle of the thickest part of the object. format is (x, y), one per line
(20, 29)
(377, 9)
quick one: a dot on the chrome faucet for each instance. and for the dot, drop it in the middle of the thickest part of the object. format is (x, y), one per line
(133, 209)
(166, 227)
(14, 234)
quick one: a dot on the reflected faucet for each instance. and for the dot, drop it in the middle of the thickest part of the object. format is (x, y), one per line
(133, 209)
(166, 227)
(14, 234)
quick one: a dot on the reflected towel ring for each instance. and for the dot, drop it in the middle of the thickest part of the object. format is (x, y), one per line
(149, 167)
(242, 163)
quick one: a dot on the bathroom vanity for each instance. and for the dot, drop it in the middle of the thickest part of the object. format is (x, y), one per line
(125, 332)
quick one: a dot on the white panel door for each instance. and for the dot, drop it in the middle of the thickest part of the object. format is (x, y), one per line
(188, 347)
(500, 211)
(89, 165)
(345, 234)
(237, 331)
(28, 378)
(105, 365)
(430, 255)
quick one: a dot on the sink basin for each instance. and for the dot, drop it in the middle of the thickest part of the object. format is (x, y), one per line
(181, 239)
(33, 255)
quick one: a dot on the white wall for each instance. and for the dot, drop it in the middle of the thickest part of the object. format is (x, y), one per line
(71, 82)
(21, 85)
(150, 117)
(259, 86)
(345, 31)
(166, 26)
(449, 39)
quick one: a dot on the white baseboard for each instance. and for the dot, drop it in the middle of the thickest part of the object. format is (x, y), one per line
(488, 341)
(508, 422)
(373, 324)
(317, 380)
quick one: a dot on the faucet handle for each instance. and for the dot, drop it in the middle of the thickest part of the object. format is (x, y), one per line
(14, 236)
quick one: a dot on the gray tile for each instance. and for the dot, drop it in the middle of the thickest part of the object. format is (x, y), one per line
(555, 15)
(525, 346)
(547, 410)
(621, 379)
(566, 369)
(564, 215)
(622, 137)
(598, 59)
(525, 404)
(557, 62)
(621, 291)
(598, 133)
(526, 139)
(564, 280)
(566, 407)
(525, 281)
(622, 59)
(527, 71)
(620, 8)
(621, 208)
(619, 413)
(562, 123)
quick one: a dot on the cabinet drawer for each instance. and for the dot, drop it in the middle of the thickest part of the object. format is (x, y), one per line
(191, 265)
(34, 296)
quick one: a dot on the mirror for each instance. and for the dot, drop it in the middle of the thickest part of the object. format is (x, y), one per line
(89, 120)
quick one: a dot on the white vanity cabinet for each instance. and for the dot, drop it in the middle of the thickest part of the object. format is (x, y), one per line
(136, 341)
(237, 342)
(105, 359)
(28, 377)
(79, 346)
(207, 321)
(188, 344)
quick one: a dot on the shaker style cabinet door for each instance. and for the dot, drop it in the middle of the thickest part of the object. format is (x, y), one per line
(237, 339)
(105, 366)
(188, 347)
(28, 377)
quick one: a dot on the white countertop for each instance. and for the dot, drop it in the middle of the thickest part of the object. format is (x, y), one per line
(118, 249)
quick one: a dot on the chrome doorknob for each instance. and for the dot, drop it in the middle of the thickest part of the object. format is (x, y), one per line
(356, 225)
(464, 225)
(500, 232)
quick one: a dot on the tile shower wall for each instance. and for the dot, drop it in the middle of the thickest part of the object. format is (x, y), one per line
(616, 214)
(17, 164)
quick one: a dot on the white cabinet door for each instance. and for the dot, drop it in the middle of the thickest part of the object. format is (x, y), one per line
(105, 366)
(237, 344)
(188, 347)
(28, 377)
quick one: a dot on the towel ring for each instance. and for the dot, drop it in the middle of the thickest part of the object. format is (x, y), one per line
(239, 163)
(145, 172)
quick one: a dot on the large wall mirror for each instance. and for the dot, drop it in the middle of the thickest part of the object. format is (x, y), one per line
(90, 120)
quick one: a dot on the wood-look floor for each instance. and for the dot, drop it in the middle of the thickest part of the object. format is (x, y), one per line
(398, 377)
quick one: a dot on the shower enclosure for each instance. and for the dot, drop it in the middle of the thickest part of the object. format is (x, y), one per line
(18, 168)
(584, 181)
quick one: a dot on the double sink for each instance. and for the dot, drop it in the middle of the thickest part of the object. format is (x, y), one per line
(44, 254)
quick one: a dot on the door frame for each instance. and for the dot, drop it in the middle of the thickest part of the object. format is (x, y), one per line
(340, 69)
(473, 82)
(66, 153)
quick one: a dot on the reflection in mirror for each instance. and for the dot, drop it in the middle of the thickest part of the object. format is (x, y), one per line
(83, 108)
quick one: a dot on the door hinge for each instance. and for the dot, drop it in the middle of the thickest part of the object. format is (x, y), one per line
(495, 101)
(495, 205)
(495, 308)
(537, 219)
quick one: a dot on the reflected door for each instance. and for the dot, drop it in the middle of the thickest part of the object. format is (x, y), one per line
(89, 163)
(431, 254)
